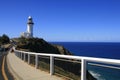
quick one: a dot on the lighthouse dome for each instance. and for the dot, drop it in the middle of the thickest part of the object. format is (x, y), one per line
(30, 21)
(29, 17)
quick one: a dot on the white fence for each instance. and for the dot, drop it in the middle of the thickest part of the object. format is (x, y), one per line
(52, 56)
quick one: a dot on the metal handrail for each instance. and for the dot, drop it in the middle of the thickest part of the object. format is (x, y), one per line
(82, 58)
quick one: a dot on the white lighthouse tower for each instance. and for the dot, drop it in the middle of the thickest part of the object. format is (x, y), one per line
(30, 27)
(29, 33)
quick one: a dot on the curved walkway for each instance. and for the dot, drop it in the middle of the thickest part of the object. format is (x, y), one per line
(23, 71)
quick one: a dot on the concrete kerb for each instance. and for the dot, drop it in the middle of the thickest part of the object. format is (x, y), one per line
(15, 75)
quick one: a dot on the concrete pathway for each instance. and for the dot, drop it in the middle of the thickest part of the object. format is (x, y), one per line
(23, 71)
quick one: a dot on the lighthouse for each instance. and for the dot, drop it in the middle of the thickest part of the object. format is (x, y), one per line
(29, 32)
(30, 26)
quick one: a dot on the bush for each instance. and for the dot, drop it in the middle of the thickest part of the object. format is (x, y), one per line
(4, 39)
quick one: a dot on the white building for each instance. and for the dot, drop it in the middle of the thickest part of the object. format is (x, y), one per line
(29, 32)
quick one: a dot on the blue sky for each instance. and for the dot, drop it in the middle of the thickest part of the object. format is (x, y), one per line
(63, 20)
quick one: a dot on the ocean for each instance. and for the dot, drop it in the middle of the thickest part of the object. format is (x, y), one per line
(96, 49)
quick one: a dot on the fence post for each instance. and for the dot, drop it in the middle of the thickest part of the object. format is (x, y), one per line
(24, 56)
(83, 69)
(51, 65)
(16, 54)
(36, 61)
(21, 55)
(28, 58)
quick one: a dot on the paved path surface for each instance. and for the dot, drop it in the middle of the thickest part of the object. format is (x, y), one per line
(23, 71)
(8, 75)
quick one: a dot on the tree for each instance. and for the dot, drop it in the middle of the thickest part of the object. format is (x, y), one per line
(4, 39)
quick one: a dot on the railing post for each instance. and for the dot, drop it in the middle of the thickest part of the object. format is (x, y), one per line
(83, 69)
(24, 56)
(51, 65)
(28, 58)
(21, 55)
(17, 54)
(36, 61)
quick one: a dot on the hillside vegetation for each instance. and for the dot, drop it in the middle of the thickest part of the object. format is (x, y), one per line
(40, 46)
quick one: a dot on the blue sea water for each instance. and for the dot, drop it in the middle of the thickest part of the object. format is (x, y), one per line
(96, 49)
